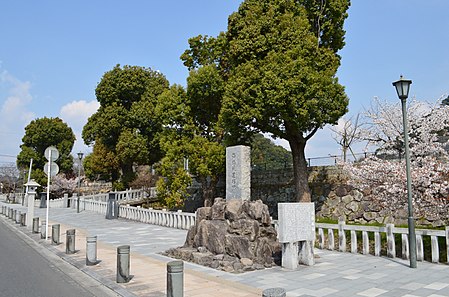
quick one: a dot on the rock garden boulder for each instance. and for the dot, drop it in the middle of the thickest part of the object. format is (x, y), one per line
(233, 236)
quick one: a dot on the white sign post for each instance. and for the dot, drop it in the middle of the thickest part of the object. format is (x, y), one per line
(296, 233)
(51, 169)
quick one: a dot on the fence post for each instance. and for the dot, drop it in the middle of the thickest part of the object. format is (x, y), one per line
(341, 236)
(391, 247)
(175, 279)
(274, 292)
(70, 241)
(353, 242)
(123, 264)
(419, 248)
(447, 244)
(435, 249)
(405, 248)
(321, 238)
(330, 238)
(365, 242)
(377, 244)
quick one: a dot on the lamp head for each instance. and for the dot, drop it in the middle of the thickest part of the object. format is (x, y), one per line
(402, 87)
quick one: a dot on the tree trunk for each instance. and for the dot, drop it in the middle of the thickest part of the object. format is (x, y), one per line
(208, 189)
(127, 174)
(300, 172)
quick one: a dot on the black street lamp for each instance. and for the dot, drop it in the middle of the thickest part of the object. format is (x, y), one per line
(402, 88)
(80, 157)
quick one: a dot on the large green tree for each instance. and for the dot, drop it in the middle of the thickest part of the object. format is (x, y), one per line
(191, 134)
(282, 59)
(125, 125)
(40, 134)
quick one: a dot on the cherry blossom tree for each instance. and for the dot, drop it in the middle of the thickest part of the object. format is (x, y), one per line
(385, 177)
(383, 127)
(60, 185)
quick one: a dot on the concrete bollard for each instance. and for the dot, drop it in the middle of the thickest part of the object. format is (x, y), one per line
(70, 241)
(274, 292)
(175, 279)
(36, 225)
(23, 218)
(55, 234)
(44, 230)
(123, 264)
(91, 250)
(17, 217)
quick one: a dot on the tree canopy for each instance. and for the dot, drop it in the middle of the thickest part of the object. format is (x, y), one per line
(283, 61)
(40, 134)
(125, 125)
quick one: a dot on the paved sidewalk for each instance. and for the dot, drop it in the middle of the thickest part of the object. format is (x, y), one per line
(335, 273)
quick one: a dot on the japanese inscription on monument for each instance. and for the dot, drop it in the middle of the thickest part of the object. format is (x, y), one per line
(238, 172)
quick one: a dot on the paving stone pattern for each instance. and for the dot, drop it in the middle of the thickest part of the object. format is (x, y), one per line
(334, 274)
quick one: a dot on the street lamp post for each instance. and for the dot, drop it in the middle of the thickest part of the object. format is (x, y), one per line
(80, 157)
(402, 88)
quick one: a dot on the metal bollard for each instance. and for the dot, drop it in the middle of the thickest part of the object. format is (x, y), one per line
(91, 250)
(175, 279)
(17, 217)
(55, 234)
(14, 214)
(274, 292)
(123, 264)
(70, 241)
(11, 213)
(23, 218)
(36, 225)
(43, 230)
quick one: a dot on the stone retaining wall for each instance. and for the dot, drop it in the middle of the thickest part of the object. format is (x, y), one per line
(333, 198)
(353, 206)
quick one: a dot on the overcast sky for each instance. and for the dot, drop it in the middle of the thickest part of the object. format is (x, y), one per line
(53, 54)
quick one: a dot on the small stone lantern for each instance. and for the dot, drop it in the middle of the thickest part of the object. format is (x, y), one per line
(31, 188)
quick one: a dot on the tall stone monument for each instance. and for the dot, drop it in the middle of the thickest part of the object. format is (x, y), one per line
(296, 233)
(238, 172)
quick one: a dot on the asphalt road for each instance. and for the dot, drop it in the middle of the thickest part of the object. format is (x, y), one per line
(26, 270)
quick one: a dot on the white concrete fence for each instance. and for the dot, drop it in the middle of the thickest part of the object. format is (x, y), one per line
(98, 203)
(326, 239)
